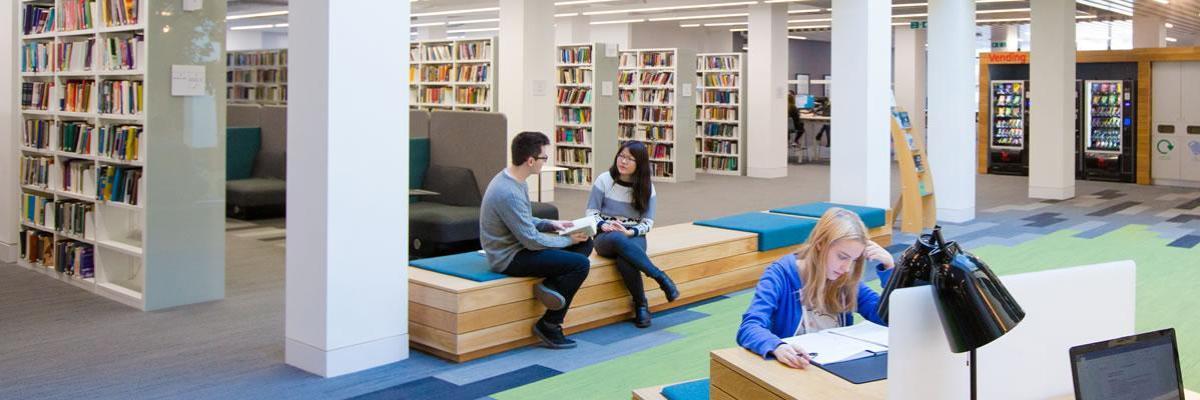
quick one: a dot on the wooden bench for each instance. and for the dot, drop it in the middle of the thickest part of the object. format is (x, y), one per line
(460, 319)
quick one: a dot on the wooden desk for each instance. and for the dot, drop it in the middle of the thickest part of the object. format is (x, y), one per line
(739, 374)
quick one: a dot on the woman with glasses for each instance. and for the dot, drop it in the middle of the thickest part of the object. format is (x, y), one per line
(623, 201)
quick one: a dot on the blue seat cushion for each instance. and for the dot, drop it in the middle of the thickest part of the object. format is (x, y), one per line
(241, 147)
(473, 266)
(694, 390)
(774, 231)
(872, 217)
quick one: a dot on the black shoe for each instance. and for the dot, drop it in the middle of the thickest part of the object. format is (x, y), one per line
(549, 297)
(668, 287)
(641, 316)
(551, 335)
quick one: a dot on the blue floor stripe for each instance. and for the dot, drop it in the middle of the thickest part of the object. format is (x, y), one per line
(442, 390)
(1187, 241)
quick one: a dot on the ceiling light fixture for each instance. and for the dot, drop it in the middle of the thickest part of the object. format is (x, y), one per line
(1007, 10)
(698, 17)
(726, 24)
(1162, 1)
(577, 2)
(619, 21)
(1172, 40)
(669, 8)
(473, 30)
(1169, 25)
(456, 12)
(566, 15)
(283, 25)
(423, 24)
(910, 5)
(798, 37)
(248, 27)
(798, 21)
(256, 15)
(910, 15)
(782, 1)
(689, 25)
(472, 21)
(804, 11)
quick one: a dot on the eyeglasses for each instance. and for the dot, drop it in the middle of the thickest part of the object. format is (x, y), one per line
(542, 158)
(625, 159)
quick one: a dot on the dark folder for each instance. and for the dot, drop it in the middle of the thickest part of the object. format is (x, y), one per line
(863, 370)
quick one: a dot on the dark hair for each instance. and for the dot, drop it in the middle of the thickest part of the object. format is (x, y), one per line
(641, 175)
(526, 145)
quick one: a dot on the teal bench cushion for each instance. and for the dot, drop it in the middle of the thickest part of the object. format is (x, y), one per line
(694, 390)
(241, 147)
(418, 161)
(473, 266)
(774, 231)
(872, 217)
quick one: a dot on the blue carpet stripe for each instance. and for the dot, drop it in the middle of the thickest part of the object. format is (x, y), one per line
(436, 388)
(1186, 241)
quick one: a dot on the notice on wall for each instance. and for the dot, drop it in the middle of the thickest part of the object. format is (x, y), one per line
(687, 91)
(187, 80)
(606, 88)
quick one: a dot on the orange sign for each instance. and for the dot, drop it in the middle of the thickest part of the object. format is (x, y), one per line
(1007, 58)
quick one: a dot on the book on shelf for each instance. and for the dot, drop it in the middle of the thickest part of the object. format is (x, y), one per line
(37, 19)
(75, 259)
(124, 53)
(574, 76)
(38, 210)
(35, 56)
(628, 60)
(472, 95)
(437, 73)
(119, 142)
(658, 96)
(658, 59)
(722, 62)
(572, 135)
(719, 114)
(575, 115)
(719, 163)
(660, 114)
(121, 97)
(585, 225)
(574, 176)
(729, 97)
(436, 95)
(626, 78)
(119, 12)
(848, 343)
(35, 171)
(723, 79)
(574, 96)
(77, 95)
(475, 50)
(36, 95)
(440, 52)
(574, 155)
(36, 247)
(76, 55)
(36, 133)
(658, 78)
(475, 73)
(575, 55)
(76, 15)
(119, 184)
(79, 177)
(75, 137)
(74, 218)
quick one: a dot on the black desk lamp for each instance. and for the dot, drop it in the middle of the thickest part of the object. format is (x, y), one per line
(972, 303)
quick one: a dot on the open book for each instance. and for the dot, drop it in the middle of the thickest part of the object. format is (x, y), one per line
(585, 224)
(847, 343)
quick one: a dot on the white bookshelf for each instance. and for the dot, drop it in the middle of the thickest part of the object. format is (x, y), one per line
(257, 77)
(453, 74)
(655, 103)
(157, 239)
(720, 132)
(585, 135)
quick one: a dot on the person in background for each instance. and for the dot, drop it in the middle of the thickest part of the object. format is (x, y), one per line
(794, 116)
(518, 244)
(623, 201)
(814, 289)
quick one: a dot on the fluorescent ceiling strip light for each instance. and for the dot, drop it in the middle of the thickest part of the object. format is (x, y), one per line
(256, 15)
(1172, 40)
(798, 37)
(900, 24)
(910, 5)
(996, 1)
(577, 2)
(472, 21)
(248, 27)
(472, 30)
(619, 21)
(698, 17)
(283, 25)
(910, 15)
(727, 24)
(669, 8)
(566, 15)
(1169, 25)
(782, 1)
(689, 25)
(456, 12)
(1162, 1)
(804, 11)
(1123, 7)
(423, 24)
(799, 21)
(1007, 10)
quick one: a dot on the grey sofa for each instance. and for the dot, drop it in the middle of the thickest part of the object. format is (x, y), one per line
(264, 194)
(467, 149)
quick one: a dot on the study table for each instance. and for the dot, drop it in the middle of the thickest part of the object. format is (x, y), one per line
(739, 374)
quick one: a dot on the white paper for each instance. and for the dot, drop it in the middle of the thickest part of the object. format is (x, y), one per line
(585, 224)
(827, 348)
(538, 87)
(187, 80)
(606, 88)
(687, 91)
(866, 331)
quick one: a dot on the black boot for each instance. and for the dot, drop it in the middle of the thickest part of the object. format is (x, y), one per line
(667, 286)
(641, 316)
(551, 335)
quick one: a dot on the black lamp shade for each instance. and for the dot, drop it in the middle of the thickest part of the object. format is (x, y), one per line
(912, 269)
(973, 304)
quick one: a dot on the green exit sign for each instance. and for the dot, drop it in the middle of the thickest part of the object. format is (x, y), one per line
(997, 45)
(918, 24)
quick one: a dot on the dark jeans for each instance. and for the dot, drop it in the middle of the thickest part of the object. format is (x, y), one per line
(631, 259)
(564, 270)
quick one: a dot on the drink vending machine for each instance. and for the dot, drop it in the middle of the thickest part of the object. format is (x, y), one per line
(1108, 130)
(1009, 128)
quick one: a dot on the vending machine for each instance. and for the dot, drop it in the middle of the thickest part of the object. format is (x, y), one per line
(1009, 133)
(1109, 147)
(1079, 129)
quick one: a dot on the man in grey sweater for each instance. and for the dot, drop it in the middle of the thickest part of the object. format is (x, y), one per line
(518, 244)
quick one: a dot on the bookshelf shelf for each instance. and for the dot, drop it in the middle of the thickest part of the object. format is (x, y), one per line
(585, 138)
(453, 74)
(256, 77)
(659, 87)
(718, 110)
(95, 243)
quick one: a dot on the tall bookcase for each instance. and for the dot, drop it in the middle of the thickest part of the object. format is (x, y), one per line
(256, 77)
(655, 102)
(121, 183)
(720, 133)
(453, 74)
(585, 134)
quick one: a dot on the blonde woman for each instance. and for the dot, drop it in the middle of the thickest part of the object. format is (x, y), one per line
(814, 289)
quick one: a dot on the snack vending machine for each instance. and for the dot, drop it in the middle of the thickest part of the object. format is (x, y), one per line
(1109, 147)
(1007, 152)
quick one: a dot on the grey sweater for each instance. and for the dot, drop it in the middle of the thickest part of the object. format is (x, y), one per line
(507, 224)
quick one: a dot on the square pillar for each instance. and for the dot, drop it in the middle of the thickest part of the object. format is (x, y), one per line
(1149, 30)
(952, 107)
(345, 310)
(766, 77)
(571, 30)
(1052, 96)
(9, 194)
(526, 75)
(860, 169)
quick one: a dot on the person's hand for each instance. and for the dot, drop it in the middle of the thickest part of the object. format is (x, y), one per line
(561, 225)
(611, 226)
(875, 252)
(792, 356)
(579, 237)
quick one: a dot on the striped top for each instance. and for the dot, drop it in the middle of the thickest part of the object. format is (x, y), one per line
(612, 200)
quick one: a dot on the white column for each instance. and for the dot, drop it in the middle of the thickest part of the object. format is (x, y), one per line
(526, 68)
(435, 32)
(766, 78)
(1012, 38)
(570, 30)
(1149, 31)
(952, 107)
(910, 72)
(9, 132)
(1052, 90)
(860, 170)
(346, 311)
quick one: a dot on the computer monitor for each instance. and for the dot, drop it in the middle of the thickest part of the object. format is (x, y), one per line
(1144, 366)
(804, 102)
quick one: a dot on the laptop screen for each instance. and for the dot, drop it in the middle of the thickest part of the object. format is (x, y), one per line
(1147, 368)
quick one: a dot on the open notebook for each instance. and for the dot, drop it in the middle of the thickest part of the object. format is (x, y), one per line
(847, 343)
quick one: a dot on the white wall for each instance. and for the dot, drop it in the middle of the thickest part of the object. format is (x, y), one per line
(275, 40)
(8, 135)
(612, 34)
(652, 35)
(255, 40)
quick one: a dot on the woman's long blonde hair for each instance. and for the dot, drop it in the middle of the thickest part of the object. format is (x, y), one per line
(819, 293)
